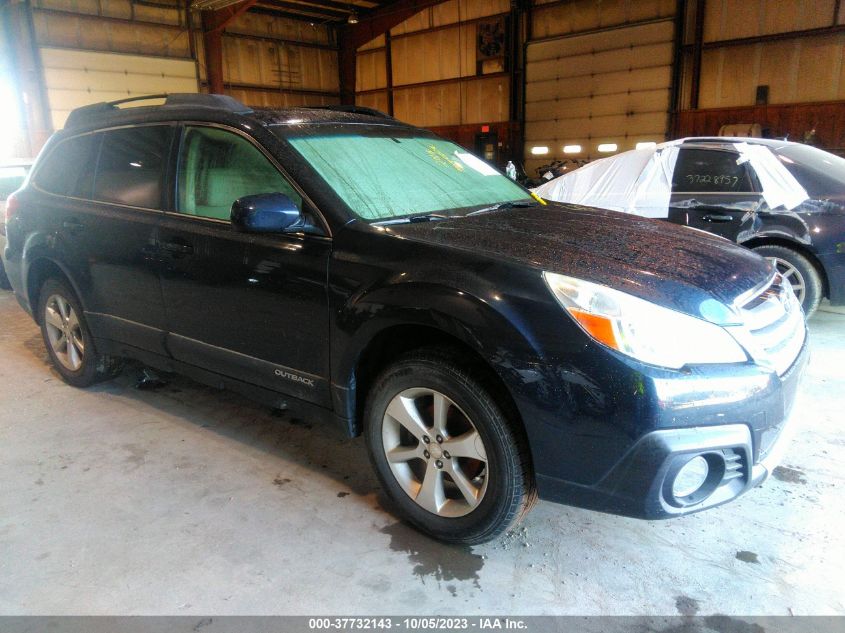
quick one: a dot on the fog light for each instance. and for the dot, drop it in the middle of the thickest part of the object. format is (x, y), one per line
(690, 477)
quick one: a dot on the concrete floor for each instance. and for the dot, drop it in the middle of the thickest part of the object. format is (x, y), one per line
(189, 501)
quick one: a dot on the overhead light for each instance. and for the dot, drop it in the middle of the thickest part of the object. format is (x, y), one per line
(353, 18)
(571, 149)
(646, 145)
(607, 147)
(538, 150)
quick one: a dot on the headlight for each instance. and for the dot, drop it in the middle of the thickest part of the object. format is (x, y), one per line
(641, 329)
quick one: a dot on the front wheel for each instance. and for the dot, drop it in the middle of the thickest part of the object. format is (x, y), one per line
(799, 271)
(67, 337)
(445, 453)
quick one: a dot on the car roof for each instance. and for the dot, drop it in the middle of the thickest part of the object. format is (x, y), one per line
(212, 107)
(725, 141)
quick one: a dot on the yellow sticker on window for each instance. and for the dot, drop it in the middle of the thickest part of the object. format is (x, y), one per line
(442, 158)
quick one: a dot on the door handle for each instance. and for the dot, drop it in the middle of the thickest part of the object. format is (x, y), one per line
(178, 248)
(717, 218)
(73, 226)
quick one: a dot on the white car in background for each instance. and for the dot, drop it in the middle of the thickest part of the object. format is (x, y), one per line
(12, 175)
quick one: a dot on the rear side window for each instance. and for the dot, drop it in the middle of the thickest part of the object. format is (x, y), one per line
(69, 169)
(130, 170)
(710, 171)
(218, 167)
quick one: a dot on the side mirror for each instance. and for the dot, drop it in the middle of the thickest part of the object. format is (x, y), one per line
(266, 213)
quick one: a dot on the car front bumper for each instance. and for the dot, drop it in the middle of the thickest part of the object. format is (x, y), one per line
(740, 456)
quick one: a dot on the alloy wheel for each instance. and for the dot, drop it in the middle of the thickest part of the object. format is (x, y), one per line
(793, 275)
(64, 332)
(435, 452)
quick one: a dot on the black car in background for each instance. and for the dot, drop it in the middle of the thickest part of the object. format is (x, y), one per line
(345, 266)
(807, 244)
(711, 186)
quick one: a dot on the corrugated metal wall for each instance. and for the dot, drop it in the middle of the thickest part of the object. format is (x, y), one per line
(597, 73)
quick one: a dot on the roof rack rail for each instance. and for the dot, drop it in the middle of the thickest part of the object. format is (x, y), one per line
(356, 109)
(90, 113)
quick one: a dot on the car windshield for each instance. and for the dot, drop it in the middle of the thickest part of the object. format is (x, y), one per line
(11, 179)
(394, 173)
(821, 173)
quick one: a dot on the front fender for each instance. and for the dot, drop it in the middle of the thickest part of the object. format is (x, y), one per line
(493, 326)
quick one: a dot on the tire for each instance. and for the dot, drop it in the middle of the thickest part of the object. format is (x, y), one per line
(800, 272)
(497, 485)
(68, 339)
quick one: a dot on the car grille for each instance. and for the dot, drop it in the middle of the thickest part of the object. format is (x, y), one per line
(774, 322)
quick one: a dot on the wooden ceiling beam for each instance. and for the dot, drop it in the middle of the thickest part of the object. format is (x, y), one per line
(308, 10)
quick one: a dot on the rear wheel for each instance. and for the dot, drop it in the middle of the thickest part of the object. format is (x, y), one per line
(799, 271)
(446, 454)
(67, 337)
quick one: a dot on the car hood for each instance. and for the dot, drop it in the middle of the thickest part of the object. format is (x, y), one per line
(677, 267)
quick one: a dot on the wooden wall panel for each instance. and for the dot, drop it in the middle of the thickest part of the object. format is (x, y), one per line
(433, 55)
(376, 43)
(90, 33)
(485, 100)
(294, 30)
(733, 19)
(451, 12)
(434, 71)
(589, 15)
(264, 61)
(377, 100)
(280, 98)
(792, 120)
(429, 106)
(796, 70)
(371, 72)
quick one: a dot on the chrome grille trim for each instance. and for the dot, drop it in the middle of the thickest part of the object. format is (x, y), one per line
(774, 330)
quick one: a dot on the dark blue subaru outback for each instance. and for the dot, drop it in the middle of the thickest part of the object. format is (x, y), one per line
(336, 262)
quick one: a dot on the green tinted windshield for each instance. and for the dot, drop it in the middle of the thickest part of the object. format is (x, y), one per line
(383, 177)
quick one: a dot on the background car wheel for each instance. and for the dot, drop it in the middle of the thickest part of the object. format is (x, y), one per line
(444, 451)
(67, 337)
(801, 273)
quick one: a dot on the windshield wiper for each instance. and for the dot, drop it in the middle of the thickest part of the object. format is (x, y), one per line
(516, 204)
(423, 217)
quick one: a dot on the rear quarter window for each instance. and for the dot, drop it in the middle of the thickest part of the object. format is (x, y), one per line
(130, 169)
(69, 168)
